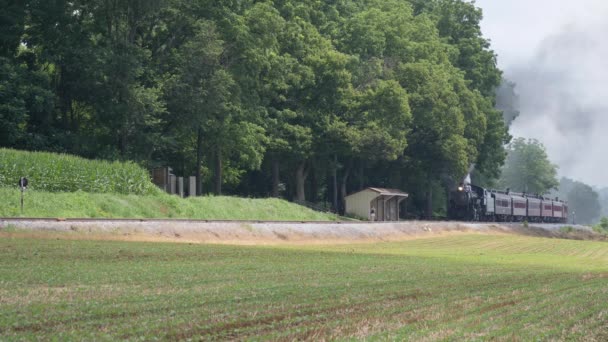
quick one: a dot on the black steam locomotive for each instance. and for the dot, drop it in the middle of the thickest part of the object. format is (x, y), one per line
(473, 203)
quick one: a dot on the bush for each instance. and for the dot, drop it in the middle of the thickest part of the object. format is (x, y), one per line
(602, 227)
(566, 229)
(53, 172)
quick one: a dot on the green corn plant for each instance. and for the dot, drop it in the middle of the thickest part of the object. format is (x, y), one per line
(54, 172)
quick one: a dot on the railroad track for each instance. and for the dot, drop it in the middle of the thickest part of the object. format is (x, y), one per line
(262, 231)
(59, 219)
(185, 220)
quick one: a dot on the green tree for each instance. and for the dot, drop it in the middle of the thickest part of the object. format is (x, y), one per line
(13, 110)
(528, 168)
(204, 95)
(583, 201)
(26, 102)
(460, 22)
(321, 91)
(97, 53)
(12, 25)
(195, 90)
(437, 142)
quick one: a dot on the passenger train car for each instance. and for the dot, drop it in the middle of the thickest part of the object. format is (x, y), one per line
(474, 203)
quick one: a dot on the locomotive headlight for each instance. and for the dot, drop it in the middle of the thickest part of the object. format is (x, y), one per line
(460, 188)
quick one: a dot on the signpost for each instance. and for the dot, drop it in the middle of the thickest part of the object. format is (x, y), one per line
(23, 186)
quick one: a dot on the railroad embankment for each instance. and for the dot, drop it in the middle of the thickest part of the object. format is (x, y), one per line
(274, 233)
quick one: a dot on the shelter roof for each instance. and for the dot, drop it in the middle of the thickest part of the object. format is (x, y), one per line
(385, 192)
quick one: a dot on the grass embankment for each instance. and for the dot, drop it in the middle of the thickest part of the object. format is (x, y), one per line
(91, 205)
(458, 287)
(67, 186)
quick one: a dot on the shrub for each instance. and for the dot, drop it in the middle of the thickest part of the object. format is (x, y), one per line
(602, 227)
(54, 172)
(566, 229)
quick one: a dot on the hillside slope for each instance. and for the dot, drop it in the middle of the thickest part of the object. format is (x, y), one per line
(93, 205)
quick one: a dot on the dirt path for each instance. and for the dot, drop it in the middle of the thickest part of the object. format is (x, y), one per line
(269, 233)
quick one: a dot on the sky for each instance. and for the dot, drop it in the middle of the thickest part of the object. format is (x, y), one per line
(556, 53)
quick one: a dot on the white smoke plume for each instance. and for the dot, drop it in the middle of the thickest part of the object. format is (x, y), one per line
(564, 101)
(467, 178)
(557, 54)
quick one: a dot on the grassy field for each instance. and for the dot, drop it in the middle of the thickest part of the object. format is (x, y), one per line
(83, 204)
(459, 287)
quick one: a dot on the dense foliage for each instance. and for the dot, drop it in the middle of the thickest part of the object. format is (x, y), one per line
(528, 168)
(583, 201)
(64, 173)
(301, 99)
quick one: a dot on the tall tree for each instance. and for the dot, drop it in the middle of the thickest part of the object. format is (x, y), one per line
(437, 143)
(323, 91)
(528, 168)
(12, 25)
(205, 92)
(583, 201)
(460, 23)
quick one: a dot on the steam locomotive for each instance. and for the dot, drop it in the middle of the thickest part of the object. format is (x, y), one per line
(473, 203)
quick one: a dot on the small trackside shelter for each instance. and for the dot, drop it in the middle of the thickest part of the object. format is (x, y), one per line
(384, 202)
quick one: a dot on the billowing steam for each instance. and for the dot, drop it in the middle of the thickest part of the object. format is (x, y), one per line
(564, 102)
(467, 178)
(556, 53)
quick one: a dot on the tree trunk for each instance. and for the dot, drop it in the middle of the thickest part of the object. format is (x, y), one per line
(122, 141)
(361, 175)
(218, 171)
(275, 177)
(314, 186)
(199, 161)
(334, 176)
(429, 204)
(64, 101)
(343, 185)
(73, 120)
(301, 174)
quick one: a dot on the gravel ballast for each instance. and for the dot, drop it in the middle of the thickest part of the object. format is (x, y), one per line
(252, 233)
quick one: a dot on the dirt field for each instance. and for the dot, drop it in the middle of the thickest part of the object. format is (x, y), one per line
(475, 283)
(273, 233)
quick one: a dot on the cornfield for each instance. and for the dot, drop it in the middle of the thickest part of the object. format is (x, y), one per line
(65, 173)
